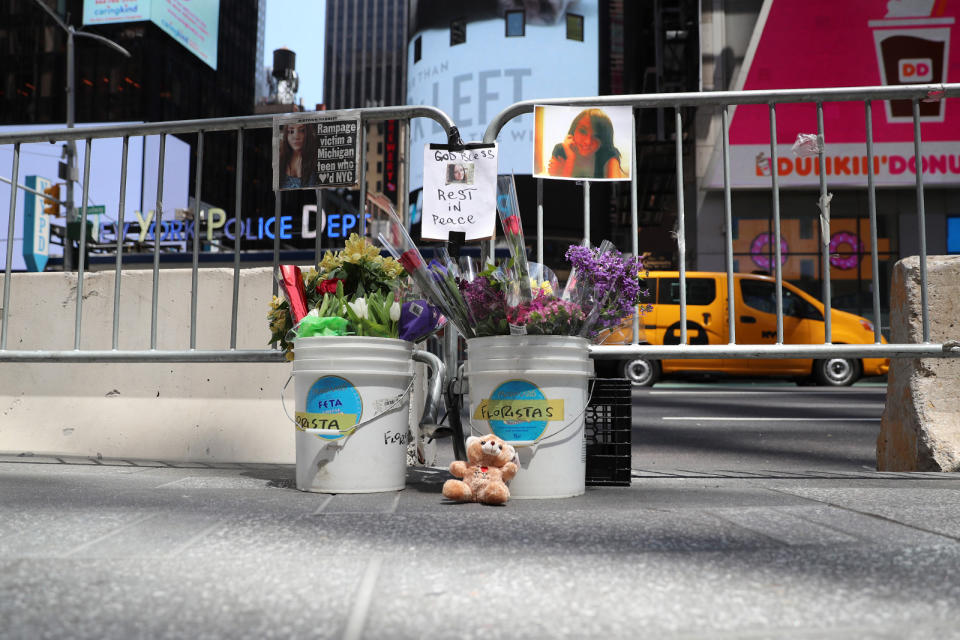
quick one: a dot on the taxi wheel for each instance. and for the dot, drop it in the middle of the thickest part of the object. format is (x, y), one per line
(836, 372)
(641, 372)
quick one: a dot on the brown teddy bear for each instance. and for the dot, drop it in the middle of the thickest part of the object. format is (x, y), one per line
(491, 463)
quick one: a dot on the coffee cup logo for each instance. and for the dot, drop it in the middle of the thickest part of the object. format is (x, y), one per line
(915, 70)
(912, 46)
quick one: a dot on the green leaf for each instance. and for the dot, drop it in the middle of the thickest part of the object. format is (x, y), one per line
(325, 305)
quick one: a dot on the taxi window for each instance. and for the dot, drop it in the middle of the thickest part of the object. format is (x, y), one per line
(700, 291)
(761, 296)
(758, 295)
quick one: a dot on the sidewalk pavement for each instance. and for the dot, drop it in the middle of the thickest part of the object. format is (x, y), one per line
(140, 549)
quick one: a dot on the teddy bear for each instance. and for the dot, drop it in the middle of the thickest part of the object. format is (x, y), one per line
(491, 463)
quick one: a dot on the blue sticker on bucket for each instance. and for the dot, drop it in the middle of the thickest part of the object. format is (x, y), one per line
(332, 403)
(518, 410)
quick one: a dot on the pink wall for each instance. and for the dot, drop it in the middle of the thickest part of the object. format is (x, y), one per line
(833, 43)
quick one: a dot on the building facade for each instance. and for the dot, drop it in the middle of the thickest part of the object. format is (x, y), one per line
(364, 63)
(474, 59)
(763, 45)
(162, 80)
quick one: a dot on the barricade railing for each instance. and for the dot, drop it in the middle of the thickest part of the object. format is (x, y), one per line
(239, 125)
(723, 100)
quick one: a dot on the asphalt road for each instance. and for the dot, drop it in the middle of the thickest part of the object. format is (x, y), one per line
(761, 427)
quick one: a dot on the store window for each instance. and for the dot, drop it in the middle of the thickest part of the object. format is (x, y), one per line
(849, 246)
(458, 32)
(574, 27)
(515, 23)
(953, 234)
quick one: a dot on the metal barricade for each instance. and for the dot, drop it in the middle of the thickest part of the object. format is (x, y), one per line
(239, 125)
(723, 100)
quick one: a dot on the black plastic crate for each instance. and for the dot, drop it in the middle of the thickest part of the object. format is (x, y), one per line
(607, 426)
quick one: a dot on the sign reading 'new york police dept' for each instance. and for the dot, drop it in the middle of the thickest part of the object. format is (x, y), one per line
(314, 152)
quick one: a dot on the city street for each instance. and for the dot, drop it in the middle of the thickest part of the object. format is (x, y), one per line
(756, 427)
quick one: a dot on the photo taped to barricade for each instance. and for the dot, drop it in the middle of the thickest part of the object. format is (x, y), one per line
(313, 151)
(582, 143)
(459, 191)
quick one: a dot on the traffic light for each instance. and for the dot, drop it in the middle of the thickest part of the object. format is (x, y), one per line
(51, 205)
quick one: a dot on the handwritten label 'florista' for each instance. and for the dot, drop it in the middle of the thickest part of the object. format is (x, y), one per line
(519, 410)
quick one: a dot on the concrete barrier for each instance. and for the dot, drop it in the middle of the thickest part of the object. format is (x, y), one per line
(920, 430)
(195, 411)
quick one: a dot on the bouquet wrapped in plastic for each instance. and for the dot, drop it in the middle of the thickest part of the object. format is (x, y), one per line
(520, 297)
(354, 291)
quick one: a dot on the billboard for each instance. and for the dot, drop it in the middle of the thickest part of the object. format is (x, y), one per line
(474, 80)
(824, 43)
(192, 23)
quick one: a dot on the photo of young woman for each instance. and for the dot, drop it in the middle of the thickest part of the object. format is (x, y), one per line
(296, 147)
(592, 147)
(460, 172)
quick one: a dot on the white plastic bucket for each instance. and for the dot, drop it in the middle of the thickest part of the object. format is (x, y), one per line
(352, 413)
(535, 400)
(388, 365)
(349, 346)
(552, 346)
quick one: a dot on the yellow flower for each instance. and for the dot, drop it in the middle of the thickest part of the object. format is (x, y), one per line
(289, 355)
(330, 261)
(544, 286)
(360, 250)
(370, 251)
(354, 251)
(392, 268)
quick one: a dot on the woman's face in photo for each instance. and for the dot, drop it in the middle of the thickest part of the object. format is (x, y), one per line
(459, 173)
(296, 136)
(584, 142)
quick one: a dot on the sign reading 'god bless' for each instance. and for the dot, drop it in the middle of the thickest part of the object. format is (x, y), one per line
(459, 191)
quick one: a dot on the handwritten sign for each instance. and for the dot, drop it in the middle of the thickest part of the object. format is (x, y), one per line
(519, 410)
(459, 191)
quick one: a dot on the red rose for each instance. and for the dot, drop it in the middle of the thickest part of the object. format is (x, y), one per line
(512, 225)
(328, 286)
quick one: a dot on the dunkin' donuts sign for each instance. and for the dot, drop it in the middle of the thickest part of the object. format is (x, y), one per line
(825, 43)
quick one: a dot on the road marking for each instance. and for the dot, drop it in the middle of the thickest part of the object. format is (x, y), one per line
(768, 419)
(362, 599)
(323, 505)
(111, 533)
(712, 392)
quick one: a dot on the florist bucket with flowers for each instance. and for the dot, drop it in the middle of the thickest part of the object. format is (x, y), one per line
(528, 364)
(351, 337)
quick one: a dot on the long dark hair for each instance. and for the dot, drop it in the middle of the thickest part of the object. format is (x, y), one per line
(602, 131)
(286, 151)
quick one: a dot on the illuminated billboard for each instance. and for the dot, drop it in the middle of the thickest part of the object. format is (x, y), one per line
(551, 52)
(870, 42)
(192, 23)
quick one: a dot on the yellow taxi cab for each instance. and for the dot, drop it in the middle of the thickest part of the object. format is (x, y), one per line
(756, 323)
